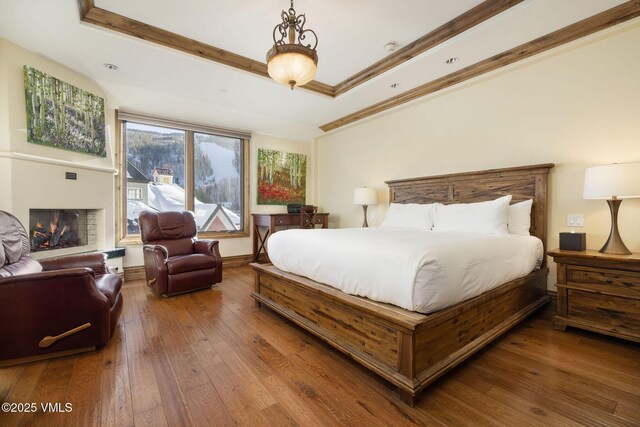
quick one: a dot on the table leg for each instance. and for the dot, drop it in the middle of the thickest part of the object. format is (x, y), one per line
(255, 242)
(261, 247)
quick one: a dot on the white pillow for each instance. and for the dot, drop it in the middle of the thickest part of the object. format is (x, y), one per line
(484, 217)
(411, 215)
(519, 217)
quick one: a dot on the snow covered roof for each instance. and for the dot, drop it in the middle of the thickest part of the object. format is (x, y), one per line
(134, 174)
(171, 197)
(162, 171)
(135, 208)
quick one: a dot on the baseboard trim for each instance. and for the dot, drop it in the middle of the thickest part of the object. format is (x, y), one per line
(237, 260)
(134, 273)
(137, 272)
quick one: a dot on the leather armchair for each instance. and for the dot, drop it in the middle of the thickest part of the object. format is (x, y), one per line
(174, 260)
(39, 301)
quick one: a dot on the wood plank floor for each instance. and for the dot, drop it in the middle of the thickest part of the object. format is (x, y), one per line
(212, 358)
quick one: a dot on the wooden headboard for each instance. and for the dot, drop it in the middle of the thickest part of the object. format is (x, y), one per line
(523, 183)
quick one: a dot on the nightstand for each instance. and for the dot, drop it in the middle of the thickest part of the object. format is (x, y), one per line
(598, 292)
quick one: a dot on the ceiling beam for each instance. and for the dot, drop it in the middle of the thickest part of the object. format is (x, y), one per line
(456, 26)
(606, 19)
(91, 14)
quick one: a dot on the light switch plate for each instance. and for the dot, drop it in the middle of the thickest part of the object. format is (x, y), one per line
(575, 220)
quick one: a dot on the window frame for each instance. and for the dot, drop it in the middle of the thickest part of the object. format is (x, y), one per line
(189, 129)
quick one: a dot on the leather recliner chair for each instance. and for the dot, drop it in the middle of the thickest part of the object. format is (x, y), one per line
(174, 260)
(53, 307)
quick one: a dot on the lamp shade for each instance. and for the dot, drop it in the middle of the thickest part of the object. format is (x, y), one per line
(619, 180)
(365, 196)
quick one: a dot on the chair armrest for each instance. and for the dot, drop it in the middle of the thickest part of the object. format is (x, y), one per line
(158, 250)
(49, 303)
(210, 247)
(67, 273)
(94, 261)
(206, 247)
(155, 268)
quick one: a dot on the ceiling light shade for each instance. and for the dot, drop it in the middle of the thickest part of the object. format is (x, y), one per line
(290, 61)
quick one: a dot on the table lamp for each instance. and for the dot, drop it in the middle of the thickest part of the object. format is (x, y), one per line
(613, 183)
(365, 196)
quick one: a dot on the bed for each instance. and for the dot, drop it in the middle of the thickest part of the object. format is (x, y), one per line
(407, 348)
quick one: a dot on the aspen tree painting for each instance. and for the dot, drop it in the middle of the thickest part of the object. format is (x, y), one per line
(63, 116)
(282, 177)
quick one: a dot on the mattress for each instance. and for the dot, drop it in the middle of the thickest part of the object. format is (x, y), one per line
(423, 271)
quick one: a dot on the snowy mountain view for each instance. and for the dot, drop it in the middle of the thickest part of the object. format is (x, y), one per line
(156, 176)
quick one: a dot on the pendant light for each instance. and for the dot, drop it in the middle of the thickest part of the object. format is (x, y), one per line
(290, 61)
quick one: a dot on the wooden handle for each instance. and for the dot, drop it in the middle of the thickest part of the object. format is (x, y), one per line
(48, 340)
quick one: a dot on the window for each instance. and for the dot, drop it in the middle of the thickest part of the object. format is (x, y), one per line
(134, 193)
(217, 184)
(173, 166)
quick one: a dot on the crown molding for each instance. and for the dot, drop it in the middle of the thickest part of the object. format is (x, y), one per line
(456, 26)
(91, 14)
(599, 22)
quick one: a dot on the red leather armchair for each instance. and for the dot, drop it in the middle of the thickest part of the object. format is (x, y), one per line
(174, 261)
(39, 301)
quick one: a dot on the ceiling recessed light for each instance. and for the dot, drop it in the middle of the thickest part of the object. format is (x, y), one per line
(111, 67)
(395, 85)
(451, 60)
(391, 46)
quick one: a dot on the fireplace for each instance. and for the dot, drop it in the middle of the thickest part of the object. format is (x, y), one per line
(51, 229)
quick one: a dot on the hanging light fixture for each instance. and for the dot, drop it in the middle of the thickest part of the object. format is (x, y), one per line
(290, 61)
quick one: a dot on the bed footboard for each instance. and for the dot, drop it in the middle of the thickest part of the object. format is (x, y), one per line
(410, 350)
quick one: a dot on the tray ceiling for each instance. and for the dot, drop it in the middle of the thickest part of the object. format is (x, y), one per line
(156, 79)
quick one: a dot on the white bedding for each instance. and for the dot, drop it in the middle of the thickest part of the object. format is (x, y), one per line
(422, 271)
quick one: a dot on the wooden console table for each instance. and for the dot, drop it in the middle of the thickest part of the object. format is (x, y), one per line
(269, 222)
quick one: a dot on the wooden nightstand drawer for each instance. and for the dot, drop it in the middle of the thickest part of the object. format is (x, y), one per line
(613, 311)
(608, 281)
(598, 292)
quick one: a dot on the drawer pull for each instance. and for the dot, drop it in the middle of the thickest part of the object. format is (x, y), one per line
(609, 281)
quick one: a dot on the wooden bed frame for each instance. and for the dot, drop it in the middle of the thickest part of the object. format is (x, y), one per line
(409, 349)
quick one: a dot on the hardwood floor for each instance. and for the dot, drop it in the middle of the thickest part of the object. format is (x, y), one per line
(213, 358)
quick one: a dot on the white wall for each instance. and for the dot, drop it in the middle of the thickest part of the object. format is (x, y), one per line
(33, 184)
(5, 163)
(576, 106)
(244, 245)
(38, 181)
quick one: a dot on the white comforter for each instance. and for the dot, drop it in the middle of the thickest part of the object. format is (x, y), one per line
(421, 271)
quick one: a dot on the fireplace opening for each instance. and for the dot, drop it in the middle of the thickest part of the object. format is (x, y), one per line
(57, 228)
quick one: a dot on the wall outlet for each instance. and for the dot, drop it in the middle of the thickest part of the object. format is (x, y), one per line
(575, 220)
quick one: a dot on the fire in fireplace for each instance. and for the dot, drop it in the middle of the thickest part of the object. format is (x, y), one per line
(57, 228)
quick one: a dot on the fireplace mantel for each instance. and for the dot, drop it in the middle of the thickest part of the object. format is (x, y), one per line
(57, 162)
